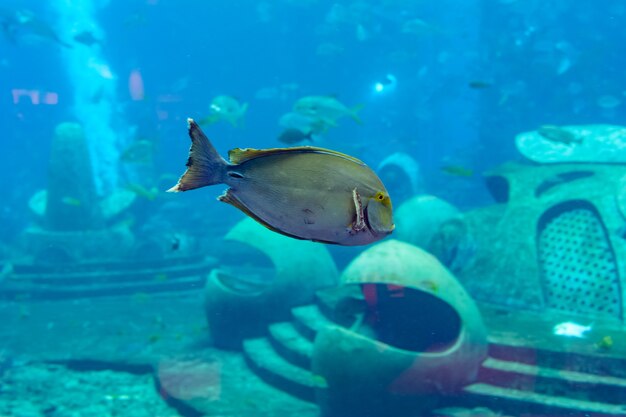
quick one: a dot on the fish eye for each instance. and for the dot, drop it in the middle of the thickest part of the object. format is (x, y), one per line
(380, 196)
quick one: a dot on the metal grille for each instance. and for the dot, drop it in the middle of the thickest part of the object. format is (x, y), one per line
(578, 265)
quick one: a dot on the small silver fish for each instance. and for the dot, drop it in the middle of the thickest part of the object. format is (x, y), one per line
(303, 192)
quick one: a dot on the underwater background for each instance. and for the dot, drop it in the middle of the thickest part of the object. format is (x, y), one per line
(495, 125)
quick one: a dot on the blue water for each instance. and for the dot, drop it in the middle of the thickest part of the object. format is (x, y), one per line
(470, 76)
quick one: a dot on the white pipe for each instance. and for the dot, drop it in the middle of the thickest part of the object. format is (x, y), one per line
(94, 85)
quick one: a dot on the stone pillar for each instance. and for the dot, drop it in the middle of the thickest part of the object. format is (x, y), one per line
(71, 203)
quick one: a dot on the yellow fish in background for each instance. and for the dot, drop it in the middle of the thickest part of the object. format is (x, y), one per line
(228, 109)
(457, 170)
(149, 194)
(605, 344)
(303, 192)
(319, 381)
(71, 201)
(326, 108)
(138, 152)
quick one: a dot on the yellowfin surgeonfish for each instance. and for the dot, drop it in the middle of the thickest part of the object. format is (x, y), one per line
(303, 192)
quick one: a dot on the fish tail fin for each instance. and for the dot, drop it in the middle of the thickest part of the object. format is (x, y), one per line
(204, 166)
(354, 113)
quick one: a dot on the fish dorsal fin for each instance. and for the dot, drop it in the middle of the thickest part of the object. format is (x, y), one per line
(241, 155)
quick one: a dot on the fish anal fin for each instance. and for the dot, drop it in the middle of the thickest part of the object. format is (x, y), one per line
(230, 198)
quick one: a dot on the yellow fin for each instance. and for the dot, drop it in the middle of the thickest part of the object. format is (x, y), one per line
(239, 155)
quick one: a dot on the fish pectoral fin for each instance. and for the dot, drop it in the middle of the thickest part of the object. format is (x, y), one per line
(359, 221)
